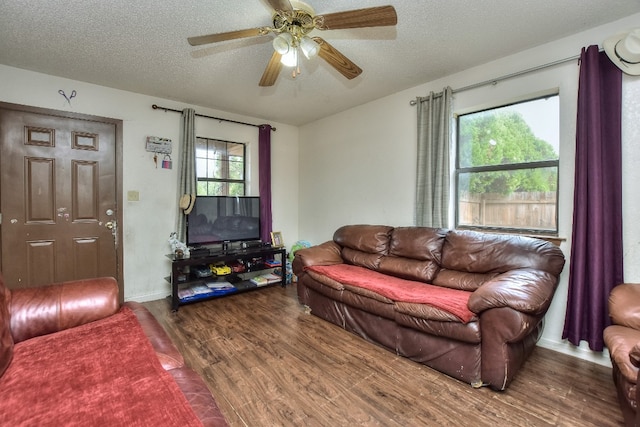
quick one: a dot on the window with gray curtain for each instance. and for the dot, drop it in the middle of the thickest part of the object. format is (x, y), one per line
(507, 167)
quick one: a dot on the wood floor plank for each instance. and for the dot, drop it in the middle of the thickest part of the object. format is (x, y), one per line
(268, 363)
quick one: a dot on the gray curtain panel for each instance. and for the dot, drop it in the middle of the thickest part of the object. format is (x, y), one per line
(434, 135)
(187, 172)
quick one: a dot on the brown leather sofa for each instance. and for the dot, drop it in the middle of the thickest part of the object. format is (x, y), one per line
(503, 283)
(622, 339)
(34, 313)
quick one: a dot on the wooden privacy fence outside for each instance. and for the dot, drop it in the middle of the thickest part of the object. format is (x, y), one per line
(528, 210)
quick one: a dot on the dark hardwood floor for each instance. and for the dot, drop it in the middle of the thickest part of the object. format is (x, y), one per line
(269, 364)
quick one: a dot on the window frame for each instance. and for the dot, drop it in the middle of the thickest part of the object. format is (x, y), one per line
(458, 170)
(226, 180)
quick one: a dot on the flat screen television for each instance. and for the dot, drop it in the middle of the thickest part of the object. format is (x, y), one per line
(218, 219)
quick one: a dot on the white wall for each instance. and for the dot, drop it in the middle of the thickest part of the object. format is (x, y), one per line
(148, 222)
(359, 166)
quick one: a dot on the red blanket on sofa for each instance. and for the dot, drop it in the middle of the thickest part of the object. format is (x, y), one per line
(450, 300)
(103, 373)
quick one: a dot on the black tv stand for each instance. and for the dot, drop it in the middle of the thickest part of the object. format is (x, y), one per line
(200, 252)
(184, 280)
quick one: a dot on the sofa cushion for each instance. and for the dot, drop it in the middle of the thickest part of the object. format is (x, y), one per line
(462, 280)
(396, 289)
(363, 245)
(475, 252)
(421, 243)
(6, 340)
(427, 312)
(325, 280)
(373, 239)
(362, 259)
(433, 321)
(410, 269)
(414, 253)
(367, 293)
(354, 296)
(103, 373)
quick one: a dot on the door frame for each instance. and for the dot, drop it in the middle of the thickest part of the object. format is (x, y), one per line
(118, 164)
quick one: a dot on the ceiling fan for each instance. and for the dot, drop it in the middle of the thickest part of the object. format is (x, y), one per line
(292, 22)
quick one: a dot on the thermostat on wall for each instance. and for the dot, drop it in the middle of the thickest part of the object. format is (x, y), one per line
(158, 145)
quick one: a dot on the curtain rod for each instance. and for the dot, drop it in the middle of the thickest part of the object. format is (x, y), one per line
(506, 77)
(157, 107)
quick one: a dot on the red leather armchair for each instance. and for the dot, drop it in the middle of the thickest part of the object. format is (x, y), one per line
(622, 339)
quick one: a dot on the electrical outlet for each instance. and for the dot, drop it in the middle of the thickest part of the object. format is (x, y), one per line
(133, 196)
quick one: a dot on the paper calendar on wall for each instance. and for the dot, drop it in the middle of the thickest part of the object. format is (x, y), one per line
(158, 145)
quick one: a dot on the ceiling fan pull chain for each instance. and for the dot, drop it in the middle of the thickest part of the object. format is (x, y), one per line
(296, 69)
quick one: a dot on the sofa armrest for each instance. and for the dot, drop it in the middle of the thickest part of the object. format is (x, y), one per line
(634, 355)
(169, 355)
(199, 397)
(327, 253)
(52, 308)
(623, 305)
(508, 336)
(524, 290)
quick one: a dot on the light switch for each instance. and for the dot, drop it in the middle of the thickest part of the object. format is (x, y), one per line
(133, 196)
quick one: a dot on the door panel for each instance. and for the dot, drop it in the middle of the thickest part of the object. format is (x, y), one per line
(86, 257)
(85, 191)
(58, 182)
(40, 192)
(39, 262)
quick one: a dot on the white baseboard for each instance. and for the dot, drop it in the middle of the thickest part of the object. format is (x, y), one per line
(581, 352)
(148, 297)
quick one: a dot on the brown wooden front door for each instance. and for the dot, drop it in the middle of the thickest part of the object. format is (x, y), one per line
(58, 196)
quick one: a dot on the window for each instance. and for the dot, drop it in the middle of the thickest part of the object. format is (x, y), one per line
(507, 167)
(220, 167)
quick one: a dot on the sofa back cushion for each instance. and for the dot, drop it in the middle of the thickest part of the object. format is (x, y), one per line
(363, 245)
(462, 280)
(415, 253)
(6, 339)
(489, 254)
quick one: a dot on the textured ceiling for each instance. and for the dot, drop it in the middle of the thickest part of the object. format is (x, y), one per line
(141, 46)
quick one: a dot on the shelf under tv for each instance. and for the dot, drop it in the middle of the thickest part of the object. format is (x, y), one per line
(257, 262)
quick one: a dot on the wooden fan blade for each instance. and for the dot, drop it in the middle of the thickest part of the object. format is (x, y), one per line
(379, 16)
(280, 4)
(271, 72)
(337, 60)
(219, 37)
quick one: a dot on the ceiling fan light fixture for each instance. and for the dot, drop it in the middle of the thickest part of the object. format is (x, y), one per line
(309, 47)
(292, 21)
(290, 59)
(283, 43)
